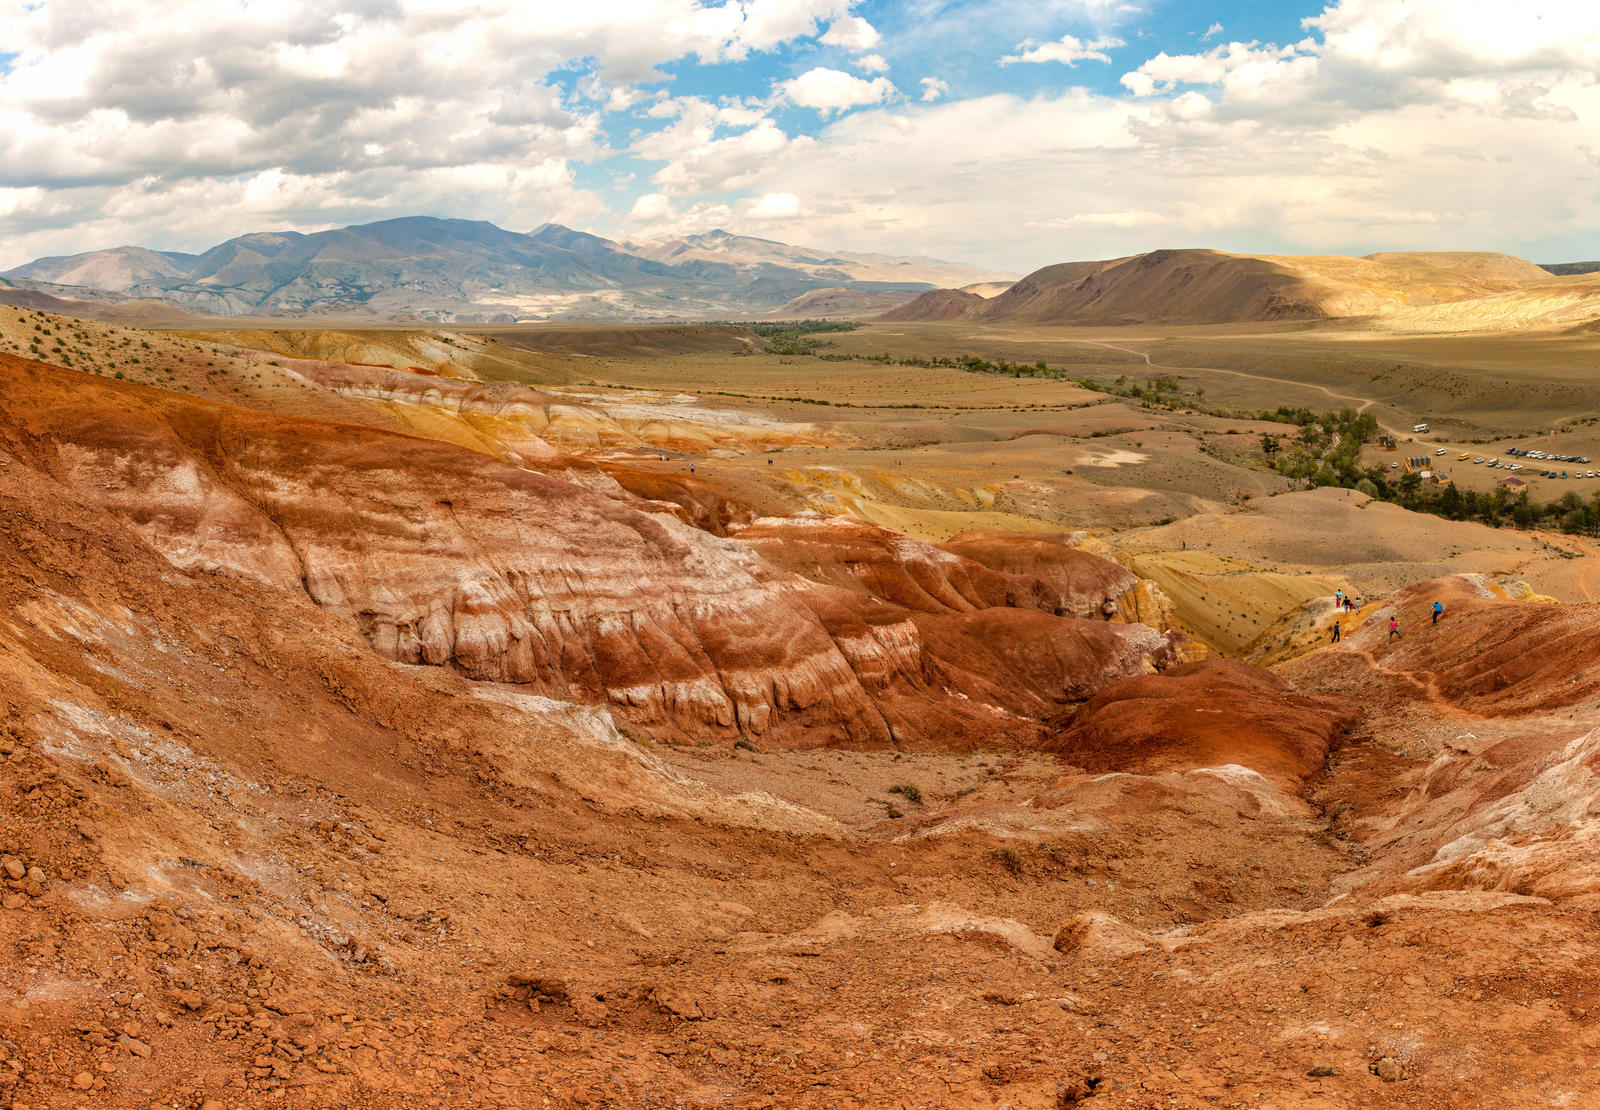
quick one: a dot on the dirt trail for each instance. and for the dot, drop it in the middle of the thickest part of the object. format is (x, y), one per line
(1364, 402)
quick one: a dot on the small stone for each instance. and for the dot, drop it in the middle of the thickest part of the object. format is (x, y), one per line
(213, 1104)
(1388, 1069)
(36, 873)
(14, 901)
(83, 1081)
(15, 868)
(134, 1046)
(1321, 1071)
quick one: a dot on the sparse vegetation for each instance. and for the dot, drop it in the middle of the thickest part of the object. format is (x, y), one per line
(1009, 859)
(793, 337)
(1327, 453)
(908, 791)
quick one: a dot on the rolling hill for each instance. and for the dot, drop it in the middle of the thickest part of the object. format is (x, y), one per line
(1469, 289)
(936, 304)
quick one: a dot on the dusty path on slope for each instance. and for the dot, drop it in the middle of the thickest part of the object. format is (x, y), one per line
(1364, 402)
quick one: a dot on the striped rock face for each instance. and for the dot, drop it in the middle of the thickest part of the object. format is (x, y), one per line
(799, 633)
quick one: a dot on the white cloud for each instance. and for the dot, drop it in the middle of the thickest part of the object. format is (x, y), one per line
(175, 123)
(134, 105)
(1126, 219)
(651, 208)
(1235, 154)
(1212, 31)
(852, 33)
(872, 63)
(769, 23)
(1376, 56)
(775, 206)
(1068, 49)
(726, 164)
(833, 90)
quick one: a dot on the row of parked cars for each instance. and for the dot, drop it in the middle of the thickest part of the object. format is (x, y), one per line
(1536, 456)
(1544, 457)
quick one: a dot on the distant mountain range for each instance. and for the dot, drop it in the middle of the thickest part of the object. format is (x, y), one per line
(466, 271)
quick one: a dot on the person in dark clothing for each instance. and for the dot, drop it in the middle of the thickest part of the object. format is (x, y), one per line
(1336, 632)
(1438, 610)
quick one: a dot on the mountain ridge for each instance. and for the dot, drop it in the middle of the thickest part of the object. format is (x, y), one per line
(451, 270)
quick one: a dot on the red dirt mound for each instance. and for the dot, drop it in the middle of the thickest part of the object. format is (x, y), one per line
(1205, 714)
(1488, 654)
(1076, 582)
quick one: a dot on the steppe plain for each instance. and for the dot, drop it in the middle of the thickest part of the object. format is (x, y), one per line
(284, 828)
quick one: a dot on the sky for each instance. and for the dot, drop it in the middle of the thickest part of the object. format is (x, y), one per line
(1006, 133)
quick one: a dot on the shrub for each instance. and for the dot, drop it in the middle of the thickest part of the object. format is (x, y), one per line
(1008, 858)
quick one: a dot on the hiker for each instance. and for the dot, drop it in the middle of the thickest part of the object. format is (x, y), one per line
(691, 468)
(1437, 610)
(1349, 603)
(1338, 599)
(1394, 628)
(1336, 632)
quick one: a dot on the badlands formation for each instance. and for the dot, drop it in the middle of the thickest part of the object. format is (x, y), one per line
(643, 716)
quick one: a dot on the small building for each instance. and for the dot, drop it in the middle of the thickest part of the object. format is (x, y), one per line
(1419, 464)
(1514, 484)
(1387, 442)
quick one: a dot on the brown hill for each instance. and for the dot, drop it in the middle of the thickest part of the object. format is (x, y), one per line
(1206, 286)
(843, 301)
(1488, 265)
(935, 304)
(1174, 286)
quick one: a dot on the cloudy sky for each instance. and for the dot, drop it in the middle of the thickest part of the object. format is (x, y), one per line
(1012, 133)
